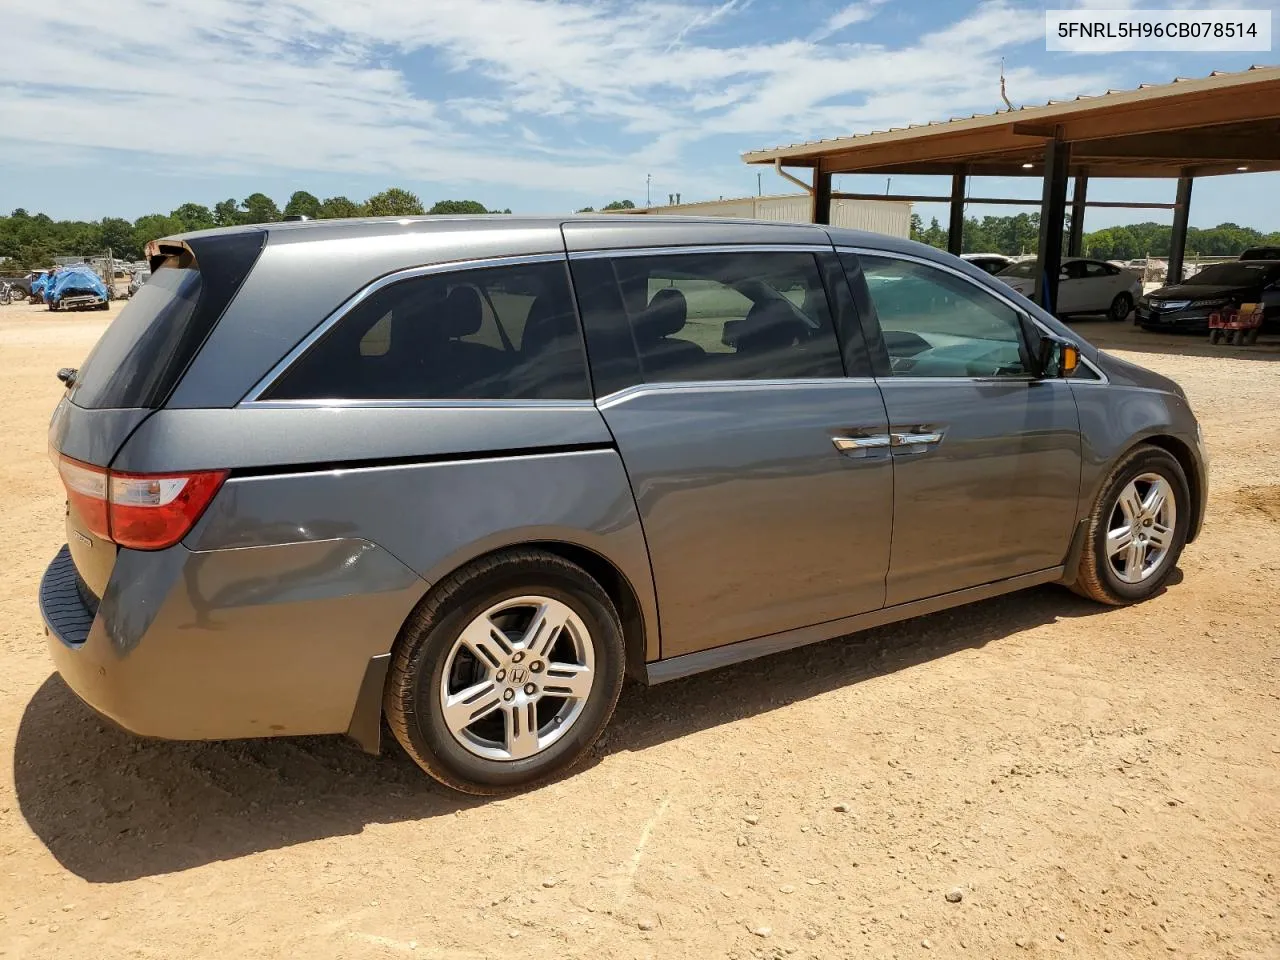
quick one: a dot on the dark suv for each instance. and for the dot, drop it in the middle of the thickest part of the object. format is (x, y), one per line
(464, 474)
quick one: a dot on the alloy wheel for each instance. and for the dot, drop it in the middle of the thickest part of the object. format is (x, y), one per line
(1140, 531)
(517, 678)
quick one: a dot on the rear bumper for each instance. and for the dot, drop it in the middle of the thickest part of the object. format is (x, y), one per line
(227, 644)
(65, 613)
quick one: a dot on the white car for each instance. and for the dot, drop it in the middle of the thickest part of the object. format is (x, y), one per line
(1084, 286)
(990, 262)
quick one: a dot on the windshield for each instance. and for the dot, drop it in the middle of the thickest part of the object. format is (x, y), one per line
(1238, 274)
(1026, 270)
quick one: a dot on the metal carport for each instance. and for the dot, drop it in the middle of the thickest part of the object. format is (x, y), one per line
(1225, 123)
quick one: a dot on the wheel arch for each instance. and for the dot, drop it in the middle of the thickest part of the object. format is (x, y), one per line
(639, 627)
(621, 592)
(1179, 450)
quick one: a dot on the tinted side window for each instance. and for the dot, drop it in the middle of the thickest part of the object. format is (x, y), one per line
(493, 334)
(1093, 269)
(724, 316)
(937, 325)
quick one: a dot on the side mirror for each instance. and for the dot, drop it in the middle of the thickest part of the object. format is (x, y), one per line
(1058, 357)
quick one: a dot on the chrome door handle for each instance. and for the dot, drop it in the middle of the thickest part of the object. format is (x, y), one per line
(860, 446)
(916, 440)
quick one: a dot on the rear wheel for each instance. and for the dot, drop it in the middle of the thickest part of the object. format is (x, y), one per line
(507, 673)
(1215, 334)
(1137, 529)
(1120, 307)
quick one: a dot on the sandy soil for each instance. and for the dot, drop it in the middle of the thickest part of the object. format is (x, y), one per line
(1096, 783)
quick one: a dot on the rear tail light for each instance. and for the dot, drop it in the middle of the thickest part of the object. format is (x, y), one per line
(137, 510)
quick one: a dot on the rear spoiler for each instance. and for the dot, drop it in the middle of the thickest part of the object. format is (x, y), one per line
(174, 253)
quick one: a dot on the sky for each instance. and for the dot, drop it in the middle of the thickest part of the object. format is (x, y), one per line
(543, 106)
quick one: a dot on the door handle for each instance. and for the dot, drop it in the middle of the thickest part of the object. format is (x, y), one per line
(860, 446)
(915, 442)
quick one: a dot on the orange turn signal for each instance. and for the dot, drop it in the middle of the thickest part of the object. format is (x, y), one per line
(1070, 360)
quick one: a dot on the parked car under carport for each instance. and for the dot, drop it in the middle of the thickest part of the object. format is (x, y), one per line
(1186, 306)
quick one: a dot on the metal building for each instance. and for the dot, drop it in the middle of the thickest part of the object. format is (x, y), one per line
(1226, 123)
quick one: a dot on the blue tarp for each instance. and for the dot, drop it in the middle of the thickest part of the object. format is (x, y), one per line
(38, 284)
(72, 280)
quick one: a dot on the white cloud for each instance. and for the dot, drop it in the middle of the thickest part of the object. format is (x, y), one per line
(846, 17)
(328, 85)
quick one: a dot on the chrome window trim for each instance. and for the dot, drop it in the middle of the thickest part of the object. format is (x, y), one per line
(997, 294)
(342, 403)
(724, 386)
(334, 318)
(677, 250)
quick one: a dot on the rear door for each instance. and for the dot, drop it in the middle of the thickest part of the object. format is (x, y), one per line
(1102, 282)
(760, 470)
(986, 456)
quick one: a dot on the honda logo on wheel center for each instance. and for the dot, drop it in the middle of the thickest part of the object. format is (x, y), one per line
(518, 674)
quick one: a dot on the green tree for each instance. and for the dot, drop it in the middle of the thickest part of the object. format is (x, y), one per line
(194, 216)
(153, 226)
(336, 207)
(586, 210)
(395, 202)
(226, 213)
(259, 208)
(620, 205)
(302, 204)
(458, 206)
(117, 233)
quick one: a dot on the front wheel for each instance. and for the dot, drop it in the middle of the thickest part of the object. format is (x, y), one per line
(1137, 529)
(507, 672)
(1120, 307)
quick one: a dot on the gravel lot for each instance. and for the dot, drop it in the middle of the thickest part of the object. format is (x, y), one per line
(1094, 783)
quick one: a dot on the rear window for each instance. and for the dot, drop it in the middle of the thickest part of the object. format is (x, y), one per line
(496, 333)
(1024, 270)
(144, 352)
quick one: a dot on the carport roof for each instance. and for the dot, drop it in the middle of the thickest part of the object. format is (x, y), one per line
(1191, 127)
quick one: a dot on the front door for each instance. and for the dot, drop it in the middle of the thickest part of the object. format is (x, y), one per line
(761, 472)
(986, 456)
(1073, 289)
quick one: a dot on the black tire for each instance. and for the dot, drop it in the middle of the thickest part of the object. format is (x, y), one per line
(1215, 334)
(411, 703)
(1096, 579)
(1121, 307)
(1252, 337)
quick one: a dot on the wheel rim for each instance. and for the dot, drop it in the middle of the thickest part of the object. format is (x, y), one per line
(517, 678)
(1140, 531)
(1120, 309)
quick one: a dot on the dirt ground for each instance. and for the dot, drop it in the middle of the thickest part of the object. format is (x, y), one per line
(1097, 783)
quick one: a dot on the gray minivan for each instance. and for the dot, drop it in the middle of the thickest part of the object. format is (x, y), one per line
(464, 474)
